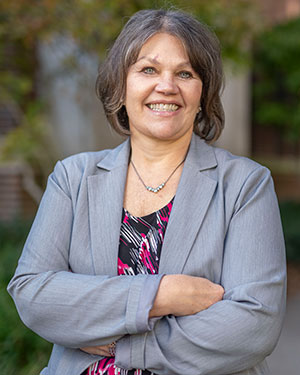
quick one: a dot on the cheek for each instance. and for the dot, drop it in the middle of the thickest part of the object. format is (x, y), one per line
(129, 93)
(133, 94)
(132, 103)
(197, 90)
(196, 98)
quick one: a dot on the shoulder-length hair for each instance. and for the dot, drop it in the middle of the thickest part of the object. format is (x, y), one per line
(203, 50)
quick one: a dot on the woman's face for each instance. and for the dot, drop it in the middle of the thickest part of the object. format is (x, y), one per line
(163, 91)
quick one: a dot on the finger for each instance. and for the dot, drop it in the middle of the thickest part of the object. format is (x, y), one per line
(104, 349)
(97, 350)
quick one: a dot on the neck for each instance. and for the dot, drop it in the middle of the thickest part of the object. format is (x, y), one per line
(150, 154)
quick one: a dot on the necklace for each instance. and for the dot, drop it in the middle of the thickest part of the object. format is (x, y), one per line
(159, 187)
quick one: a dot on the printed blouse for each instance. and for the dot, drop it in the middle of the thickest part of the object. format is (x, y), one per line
(141, 240)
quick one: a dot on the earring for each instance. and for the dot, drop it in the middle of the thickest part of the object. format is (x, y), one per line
(199, 109)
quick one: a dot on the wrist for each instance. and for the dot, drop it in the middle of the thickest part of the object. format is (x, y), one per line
(163, 301)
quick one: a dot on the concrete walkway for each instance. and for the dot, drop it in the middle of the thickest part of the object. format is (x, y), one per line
(285, 360)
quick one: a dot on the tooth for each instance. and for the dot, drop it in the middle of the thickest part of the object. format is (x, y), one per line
(163, 107)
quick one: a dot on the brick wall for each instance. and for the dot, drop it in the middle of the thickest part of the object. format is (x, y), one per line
(277, 11)
(8, 119)
(15, 202)
(287, 186)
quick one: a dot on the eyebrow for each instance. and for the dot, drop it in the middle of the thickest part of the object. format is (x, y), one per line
(155, 61)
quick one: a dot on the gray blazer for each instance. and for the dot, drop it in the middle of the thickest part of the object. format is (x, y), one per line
(224, 226)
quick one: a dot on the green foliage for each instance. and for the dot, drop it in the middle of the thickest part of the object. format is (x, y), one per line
(101, 21)
(290, 215)
(277, 78)
(29, 143)
(21, 351)
(14, 86)
(93, 25)
(235, 25)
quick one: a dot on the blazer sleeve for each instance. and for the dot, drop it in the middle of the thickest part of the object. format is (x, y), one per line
(241, 330)
(66, 308)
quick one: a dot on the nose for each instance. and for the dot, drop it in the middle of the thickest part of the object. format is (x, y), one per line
(166, 85)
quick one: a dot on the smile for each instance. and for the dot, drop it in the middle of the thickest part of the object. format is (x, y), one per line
(160, 107)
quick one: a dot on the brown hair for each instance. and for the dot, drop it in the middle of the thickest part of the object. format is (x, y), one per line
(202, 47)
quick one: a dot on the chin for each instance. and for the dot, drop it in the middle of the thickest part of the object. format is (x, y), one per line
(172, 133)
(168, 136)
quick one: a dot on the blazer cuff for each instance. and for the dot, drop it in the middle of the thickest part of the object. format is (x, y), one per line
(140, 300)
(142, 323)
(130, 352)
(146, 301)
(122, 357)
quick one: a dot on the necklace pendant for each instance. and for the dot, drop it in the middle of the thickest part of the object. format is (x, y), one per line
(151, 189)
(157, 189)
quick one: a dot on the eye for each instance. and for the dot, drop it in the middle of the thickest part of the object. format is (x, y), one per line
(185, 74)
(148, 70)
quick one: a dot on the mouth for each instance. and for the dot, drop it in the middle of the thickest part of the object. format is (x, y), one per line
(162, 107)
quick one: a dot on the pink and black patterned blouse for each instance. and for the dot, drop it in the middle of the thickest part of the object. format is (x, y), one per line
(141, 240)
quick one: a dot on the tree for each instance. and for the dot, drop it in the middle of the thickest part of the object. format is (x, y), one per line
(277, 78)
(93, 25)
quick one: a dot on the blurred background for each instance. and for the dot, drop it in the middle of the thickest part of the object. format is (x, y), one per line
(50, 51)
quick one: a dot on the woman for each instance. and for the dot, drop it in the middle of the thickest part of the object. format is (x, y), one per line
(198, 241)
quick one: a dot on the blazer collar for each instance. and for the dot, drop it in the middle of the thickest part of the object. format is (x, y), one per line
(194, 194)
(200, 155)
(106, 195)
(105, 200)
(116, 157)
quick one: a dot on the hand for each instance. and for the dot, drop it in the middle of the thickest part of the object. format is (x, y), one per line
(103, 350)
(182, 295)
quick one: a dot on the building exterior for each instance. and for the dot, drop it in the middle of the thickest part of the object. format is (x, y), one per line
(68, 111)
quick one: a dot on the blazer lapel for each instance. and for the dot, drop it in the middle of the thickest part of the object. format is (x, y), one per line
(106, 192)
(193, 196)
(106, 195)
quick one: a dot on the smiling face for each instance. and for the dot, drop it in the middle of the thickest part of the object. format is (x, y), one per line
(163, 91)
